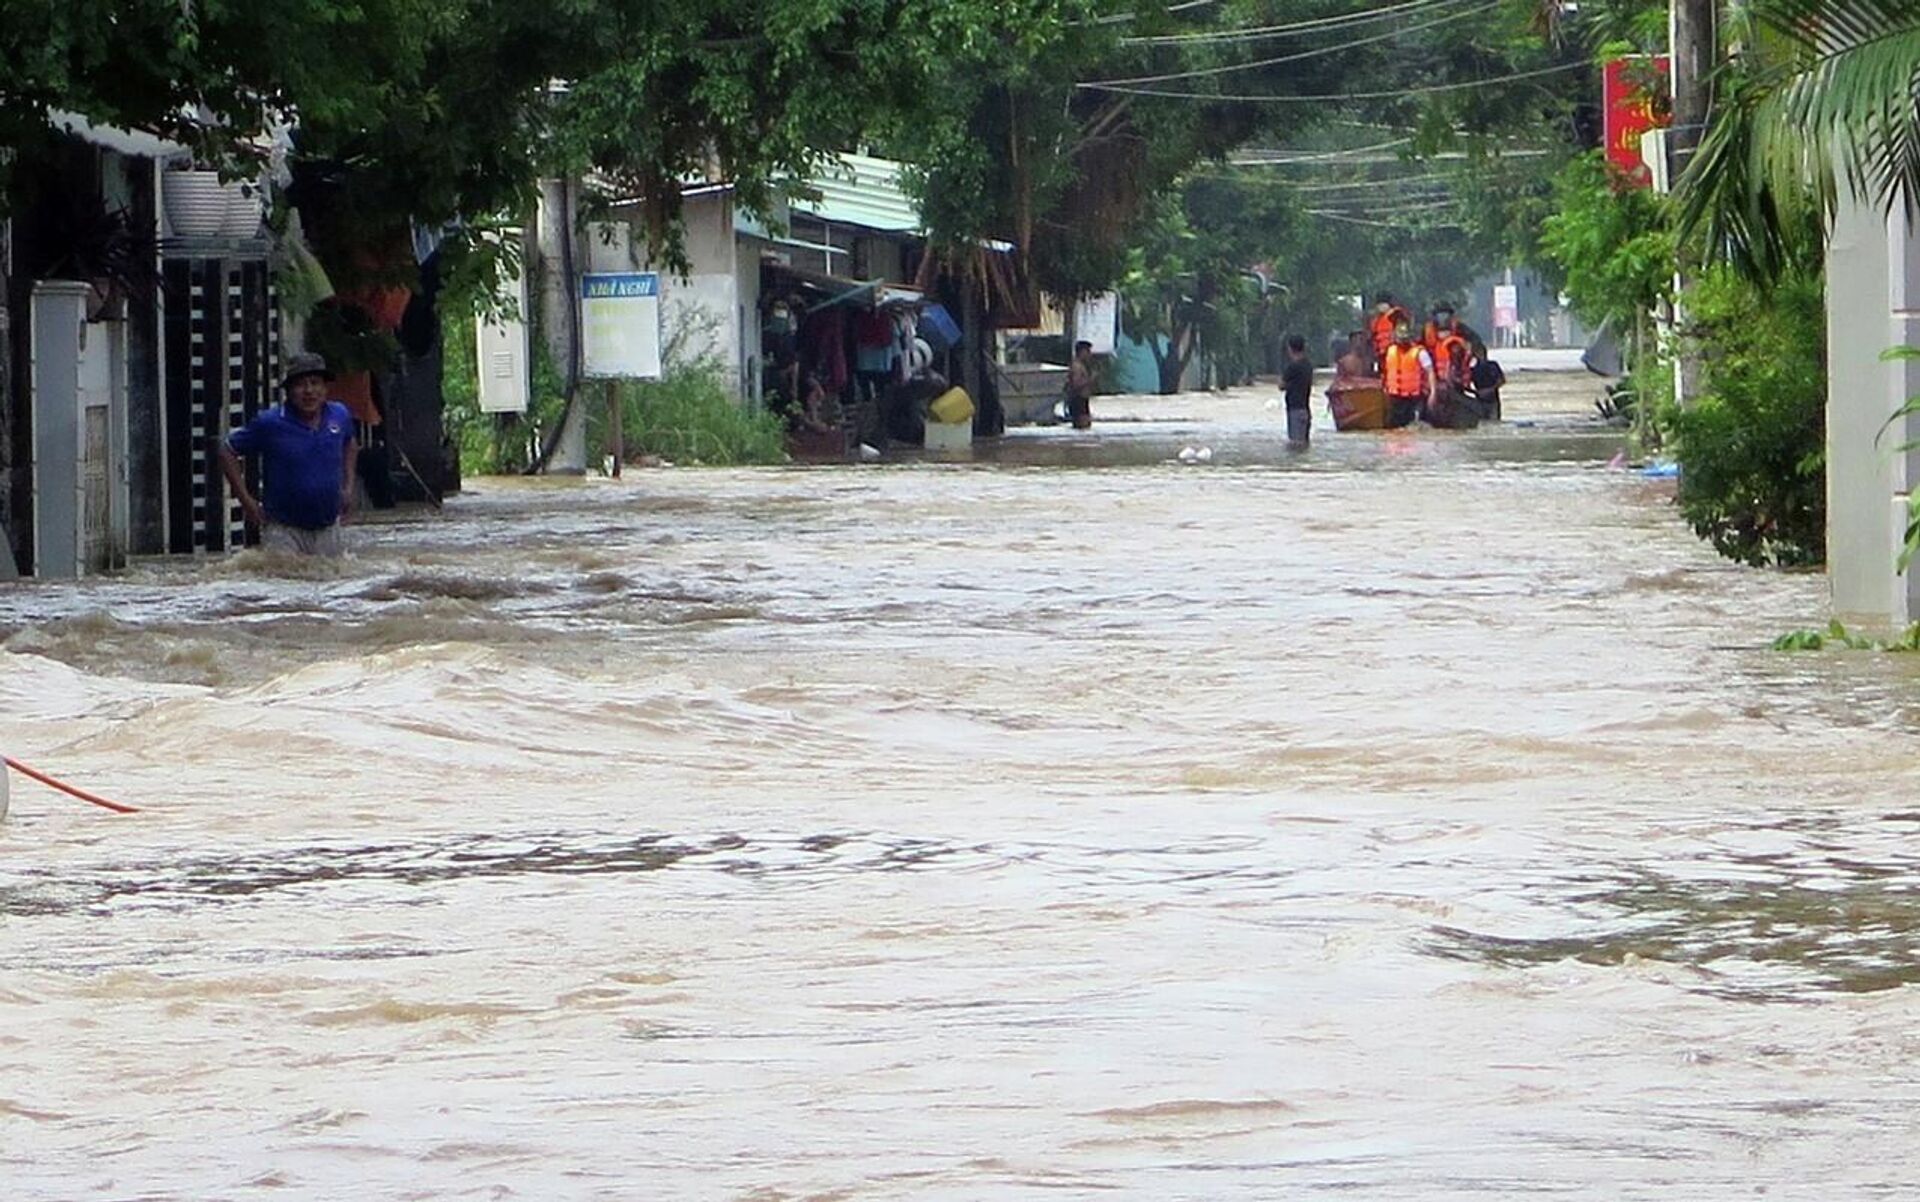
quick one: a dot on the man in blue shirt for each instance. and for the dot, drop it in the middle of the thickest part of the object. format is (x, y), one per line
(306, 452)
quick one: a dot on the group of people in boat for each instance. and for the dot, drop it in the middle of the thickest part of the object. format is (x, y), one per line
(1392, 374)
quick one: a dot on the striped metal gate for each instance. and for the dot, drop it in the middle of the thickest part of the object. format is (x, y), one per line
(222, 361)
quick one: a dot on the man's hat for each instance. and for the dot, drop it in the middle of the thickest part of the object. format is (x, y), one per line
(306, 363)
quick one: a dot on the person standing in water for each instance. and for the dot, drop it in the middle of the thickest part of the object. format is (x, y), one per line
(1296, 382)
(1408, 370)
(306, 452)
(1080, 386)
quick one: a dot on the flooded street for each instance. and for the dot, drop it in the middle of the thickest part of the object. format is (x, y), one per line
(1421, 817)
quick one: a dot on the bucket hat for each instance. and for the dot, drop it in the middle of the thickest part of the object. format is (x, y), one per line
(306, 363)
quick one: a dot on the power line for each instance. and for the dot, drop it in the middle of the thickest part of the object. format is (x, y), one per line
(1385, 225)
(1332, 155)
(1323, 51)
(1391, 204)
(1321, 97)
(1122, 18)
(1450, 156)
(1398, 182)
(1348, 185)
(1336, 21)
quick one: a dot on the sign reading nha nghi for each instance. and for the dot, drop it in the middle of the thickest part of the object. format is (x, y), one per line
(620, 325)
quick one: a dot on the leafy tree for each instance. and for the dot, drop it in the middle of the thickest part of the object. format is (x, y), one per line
(1820, 96)
(1613, 244)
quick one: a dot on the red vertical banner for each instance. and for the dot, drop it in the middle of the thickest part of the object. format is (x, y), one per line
(1632, 108)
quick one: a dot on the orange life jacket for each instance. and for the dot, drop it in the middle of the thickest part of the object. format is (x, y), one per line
(1383, 327)
(1450, 348)
(1403, 371)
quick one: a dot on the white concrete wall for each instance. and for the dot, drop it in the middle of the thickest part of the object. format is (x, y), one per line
(700, 310)
(1873, 302)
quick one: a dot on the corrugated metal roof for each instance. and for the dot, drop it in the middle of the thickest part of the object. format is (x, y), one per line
(858, 189)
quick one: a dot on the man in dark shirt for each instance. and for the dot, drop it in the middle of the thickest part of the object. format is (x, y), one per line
(306, 452)
(1080, 386)
(1487, 382)
(1296, 380)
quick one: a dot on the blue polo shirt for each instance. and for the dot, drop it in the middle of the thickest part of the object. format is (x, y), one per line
(301, 465)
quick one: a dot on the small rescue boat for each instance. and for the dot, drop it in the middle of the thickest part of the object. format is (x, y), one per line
(1358, 405)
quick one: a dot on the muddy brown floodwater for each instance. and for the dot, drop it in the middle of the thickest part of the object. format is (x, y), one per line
(1419, 818)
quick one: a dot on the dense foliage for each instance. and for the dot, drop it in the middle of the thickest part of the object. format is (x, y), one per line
(1820, 99)
(1612, 245)
(1068, 138)
(1751, 447)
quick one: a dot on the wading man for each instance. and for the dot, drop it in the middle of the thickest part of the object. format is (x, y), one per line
(1296, 382)
(306, 453)
(1409, 378)
(1080, 386)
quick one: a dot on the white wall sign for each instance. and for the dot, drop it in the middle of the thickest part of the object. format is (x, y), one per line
(502, 352)
(620, 325)
(1506, 307)
(1095, 320)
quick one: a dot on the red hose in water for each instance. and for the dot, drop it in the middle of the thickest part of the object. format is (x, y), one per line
(68, 789)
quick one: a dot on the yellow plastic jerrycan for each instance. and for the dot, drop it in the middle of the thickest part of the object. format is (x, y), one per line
(952, 407)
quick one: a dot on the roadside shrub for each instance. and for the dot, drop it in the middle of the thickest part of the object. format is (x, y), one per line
(1752, 446)
(692, 417)
(689, 416)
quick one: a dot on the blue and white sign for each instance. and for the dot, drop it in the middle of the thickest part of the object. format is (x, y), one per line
(620, 325)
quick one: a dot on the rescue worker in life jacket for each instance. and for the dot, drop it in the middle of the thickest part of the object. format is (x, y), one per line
(1408, 372)
(1388, 316)
(1444, 323)
(1452, 406)
(1453, 362)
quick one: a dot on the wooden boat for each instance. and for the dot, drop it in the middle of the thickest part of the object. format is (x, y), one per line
(1358, 405)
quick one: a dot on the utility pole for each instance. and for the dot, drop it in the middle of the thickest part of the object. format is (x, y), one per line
(557, 299)
(1692, 33)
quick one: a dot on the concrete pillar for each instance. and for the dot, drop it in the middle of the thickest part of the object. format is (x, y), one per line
(1903, 303)
(59, 317)
(560, 260)
(1873, 302)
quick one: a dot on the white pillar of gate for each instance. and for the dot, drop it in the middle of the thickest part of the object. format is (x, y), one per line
(1873, 303)
(1903, 301)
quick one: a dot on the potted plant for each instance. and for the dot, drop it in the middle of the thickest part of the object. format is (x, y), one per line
(199, 204)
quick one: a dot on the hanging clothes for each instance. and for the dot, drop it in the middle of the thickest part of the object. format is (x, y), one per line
(824, 337)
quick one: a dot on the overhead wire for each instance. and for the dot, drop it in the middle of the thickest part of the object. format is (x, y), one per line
(1379, 160)
(1329, 155)
(1257, 33)
(1321, 52)
(1385, 225)
(1121, 18)
(1322, 97)
(1418, 177)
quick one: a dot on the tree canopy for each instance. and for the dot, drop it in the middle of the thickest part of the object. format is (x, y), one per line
(1821, 97)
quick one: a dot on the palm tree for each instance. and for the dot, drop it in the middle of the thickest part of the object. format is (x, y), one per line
(1818, 95)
